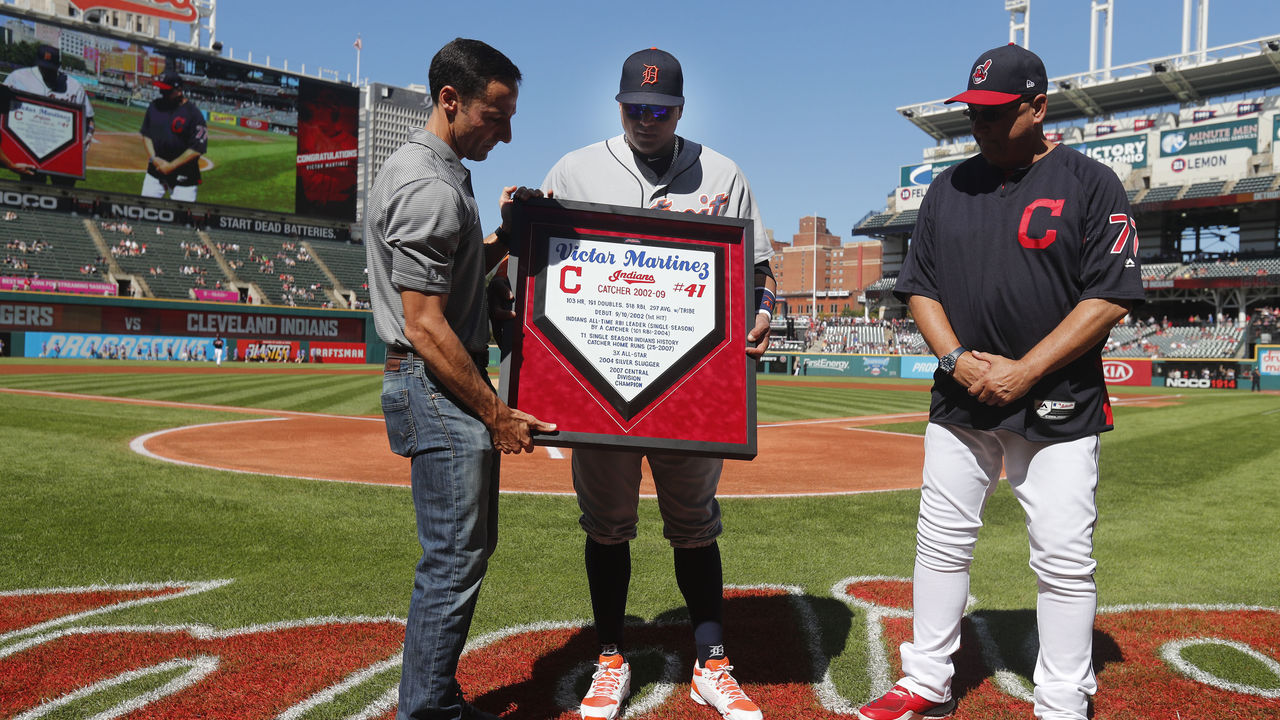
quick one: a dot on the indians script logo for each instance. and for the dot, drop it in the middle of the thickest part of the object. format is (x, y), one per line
(60, 650)
(650, 76)
(179, 10)
(980, 73)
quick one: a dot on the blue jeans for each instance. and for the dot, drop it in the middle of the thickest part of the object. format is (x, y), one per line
(454, 471)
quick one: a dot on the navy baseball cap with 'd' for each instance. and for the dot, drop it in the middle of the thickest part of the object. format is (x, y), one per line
(48, 57)
(651, 77)
(1004, 74)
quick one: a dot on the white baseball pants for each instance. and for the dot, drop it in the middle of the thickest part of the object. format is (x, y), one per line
(153, 188)
(1056, 484)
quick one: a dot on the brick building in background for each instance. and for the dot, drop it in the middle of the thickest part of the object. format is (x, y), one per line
(844, 270)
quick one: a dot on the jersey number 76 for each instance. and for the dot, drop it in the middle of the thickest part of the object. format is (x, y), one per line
(1128, 229)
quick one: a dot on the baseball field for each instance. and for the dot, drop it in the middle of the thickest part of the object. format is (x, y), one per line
(242, 168)
(138, 581)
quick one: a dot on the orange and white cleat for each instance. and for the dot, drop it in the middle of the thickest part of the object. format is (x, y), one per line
(714, 686)
(610, 685)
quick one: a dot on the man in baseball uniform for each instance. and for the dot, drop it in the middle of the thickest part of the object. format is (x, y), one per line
(1022, 259)
(176, 136)
(649, 166)
(46, 79)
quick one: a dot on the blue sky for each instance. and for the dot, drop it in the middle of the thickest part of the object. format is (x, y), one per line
(801, 94)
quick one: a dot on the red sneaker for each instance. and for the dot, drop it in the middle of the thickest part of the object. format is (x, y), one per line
(902, 704)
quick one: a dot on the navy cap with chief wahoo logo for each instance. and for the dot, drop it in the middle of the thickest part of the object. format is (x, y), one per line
(1004, 74)
(651, 77)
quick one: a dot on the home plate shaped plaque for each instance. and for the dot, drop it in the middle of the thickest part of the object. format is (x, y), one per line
(631, 328)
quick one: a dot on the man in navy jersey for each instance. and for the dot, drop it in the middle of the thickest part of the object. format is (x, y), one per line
(175, 134)
(1022, 259)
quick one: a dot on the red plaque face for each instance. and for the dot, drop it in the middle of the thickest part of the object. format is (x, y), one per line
(631, 328)
(43, 132)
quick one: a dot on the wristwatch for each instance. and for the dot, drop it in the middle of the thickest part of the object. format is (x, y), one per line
(947, 363)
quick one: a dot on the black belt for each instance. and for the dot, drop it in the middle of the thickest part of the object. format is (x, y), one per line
(396, 358)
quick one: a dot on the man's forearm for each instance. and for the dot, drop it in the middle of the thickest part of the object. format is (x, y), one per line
(450, 363)
(1084, 327)
(934, 324)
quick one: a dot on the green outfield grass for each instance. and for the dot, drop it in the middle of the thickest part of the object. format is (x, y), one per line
(252, 169)
(1187, 501)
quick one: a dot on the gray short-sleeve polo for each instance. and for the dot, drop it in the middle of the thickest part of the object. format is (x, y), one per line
(422, 232)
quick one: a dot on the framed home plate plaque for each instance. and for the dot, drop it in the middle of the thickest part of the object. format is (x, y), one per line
(631, 328)
(43, 132)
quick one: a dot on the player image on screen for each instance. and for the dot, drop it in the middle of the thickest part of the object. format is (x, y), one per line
(46, 79)
(175, 136)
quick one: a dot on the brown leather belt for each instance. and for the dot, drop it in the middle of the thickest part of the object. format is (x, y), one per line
(397, 358)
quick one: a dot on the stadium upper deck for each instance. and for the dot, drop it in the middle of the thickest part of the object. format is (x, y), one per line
(1192, 138)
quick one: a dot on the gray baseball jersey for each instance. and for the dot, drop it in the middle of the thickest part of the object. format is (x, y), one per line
(700, 180)
(607, 482)
(30, 80)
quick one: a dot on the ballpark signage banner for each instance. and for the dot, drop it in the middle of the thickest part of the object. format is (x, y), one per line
(924, 174)
(1129, 371)
(267, 350)
(326, 352)
(274, 227)
(919, 366)
(132, 347)
(43, 132)
(1118, 153)
(1210, 138)
(631, 328)
(179, 10)
(1269, 362)
(910, 198)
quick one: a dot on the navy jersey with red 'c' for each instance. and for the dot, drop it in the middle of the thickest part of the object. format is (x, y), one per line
(1009, 258)
(173, 129)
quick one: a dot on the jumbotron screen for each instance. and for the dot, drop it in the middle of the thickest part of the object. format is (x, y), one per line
(261, 138)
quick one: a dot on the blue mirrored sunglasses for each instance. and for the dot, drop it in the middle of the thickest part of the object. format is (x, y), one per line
(660, 113)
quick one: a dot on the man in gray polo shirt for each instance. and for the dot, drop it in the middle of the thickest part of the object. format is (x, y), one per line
(427, 261)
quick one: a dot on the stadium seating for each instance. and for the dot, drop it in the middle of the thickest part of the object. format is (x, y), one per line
(1162, 194)
(907, 218)
(1205, 189)
(1260, 183)
(274, 265)
(884, 283)
(1158, 271)
(347, 263)
(172, 261)
(1229, 268)
(1178, 341)
(57, 247)
(877, 220)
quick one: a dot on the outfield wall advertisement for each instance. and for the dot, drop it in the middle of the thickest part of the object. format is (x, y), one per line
(1127, 371)
(849, 365)
(86, 346)
(325, 352)
(919, 366)
(268, 139)
(164, 321)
